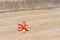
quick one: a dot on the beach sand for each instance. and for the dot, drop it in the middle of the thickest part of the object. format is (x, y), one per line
(43, 25)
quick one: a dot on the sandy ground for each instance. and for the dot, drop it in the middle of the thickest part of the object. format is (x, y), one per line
(43, 25)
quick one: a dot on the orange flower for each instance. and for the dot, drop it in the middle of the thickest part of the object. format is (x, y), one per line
(22, 26)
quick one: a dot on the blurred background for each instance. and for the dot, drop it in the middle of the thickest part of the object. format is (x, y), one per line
(28, 4)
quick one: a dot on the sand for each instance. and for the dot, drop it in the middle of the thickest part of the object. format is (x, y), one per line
(43, 25)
